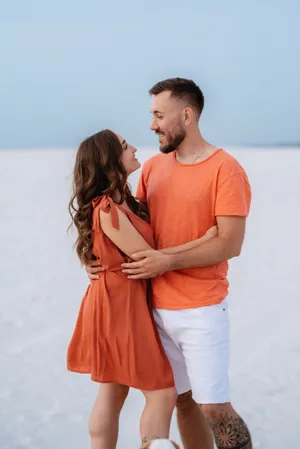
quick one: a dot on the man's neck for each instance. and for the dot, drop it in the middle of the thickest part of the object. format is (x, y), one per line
(194, 149)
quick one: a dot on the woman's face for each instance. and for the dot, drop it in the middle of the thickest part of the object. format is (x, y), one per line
(129, 160)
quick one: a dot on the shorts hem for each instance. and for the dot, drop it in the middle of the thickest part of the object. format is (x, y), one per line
(212, 401)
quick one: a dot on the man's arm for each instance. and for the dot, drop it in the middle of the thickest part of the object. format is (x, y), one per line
(231, 206)
(224, 246)
(210, 233)
(95, 267)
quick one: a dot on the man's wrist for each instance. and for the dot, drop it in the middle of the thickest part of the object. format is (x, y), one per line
(172, 261)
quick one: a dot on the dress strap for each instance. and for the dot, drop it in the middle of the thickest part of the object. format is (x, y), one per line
(106, 204)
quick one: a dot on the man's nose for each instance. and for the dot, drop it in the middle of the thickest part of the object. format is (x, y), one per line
(153, 125)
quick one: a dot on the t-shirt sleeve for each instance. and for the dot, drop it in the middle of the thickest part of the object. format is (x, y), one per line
(233, 196)
(141, 191)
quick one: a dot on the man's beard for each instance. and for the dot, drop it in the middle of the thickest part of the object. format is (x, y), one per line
(173, 142)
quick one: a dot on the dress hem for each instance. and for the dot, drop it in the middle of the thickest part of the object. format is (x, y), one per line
(154, 387)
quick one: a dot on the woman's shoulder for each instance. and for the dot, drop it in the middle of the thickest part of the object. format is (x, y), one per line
(104, 203)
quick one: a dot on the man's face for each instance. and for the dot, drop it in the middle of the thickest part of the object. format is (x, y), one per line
(167, 121)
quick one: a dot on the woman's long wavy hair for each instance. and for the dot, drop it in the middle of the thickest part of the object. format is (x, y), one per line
(98, 171)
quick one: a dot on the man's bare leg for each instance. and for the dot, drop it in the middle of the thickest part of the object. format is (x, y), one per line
(229, 429)
(194, 430)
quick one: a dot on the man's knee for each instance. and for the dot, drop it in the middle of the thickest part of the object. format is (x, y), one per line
(213, 411)
(185, 401)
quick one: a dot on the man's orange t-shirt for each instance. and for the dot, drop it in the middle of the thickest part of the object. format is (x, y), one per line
(184, 201)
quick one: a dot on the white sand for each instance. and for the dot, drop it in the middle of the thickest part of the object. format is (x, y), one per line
(43, 406)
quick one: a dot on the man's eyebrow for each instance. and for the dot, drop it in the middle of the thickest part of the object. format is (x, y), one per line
(156, 112)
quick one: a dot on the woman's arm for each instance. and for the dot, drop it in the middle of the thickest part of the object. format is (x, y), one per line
(210, 233)
(126, 238)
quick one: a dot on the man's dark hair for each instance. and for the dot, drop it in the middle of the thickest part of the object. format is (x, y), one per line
(182, 89)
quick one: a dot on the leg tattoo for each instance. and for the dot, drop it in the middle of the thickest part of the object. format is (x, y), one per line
(146, 439)
(231, 432)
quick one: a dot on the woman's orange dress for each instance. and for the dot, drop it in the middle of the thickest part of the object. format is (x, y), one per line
(115, 338)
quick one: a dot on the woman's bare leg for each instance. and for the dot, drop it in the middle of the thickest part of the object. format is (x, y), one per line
(157, 414)
(104, 418)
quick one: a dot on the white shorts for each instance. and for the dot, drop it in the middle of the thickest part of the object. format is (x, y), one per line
(196, 342)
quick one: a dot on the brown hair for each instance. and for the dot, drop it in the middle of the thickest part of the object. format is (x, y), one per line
(98, 171)
(182, 89)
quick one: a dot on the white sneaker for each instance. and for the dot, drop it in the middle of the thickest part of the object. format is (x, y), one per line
(161, 444)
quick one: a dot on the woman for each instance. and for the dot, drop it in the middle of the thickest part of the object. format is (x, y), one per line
(115, 339)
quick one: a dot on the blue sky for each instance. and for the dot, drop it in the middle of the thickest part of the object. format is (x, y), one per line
(71, 68)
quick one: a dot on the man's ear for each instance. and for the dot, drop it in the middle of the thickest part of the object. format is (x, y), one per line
(188, 115)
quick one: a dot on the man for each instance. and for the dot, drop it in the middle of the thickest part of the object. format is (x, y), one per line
(189, 187)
